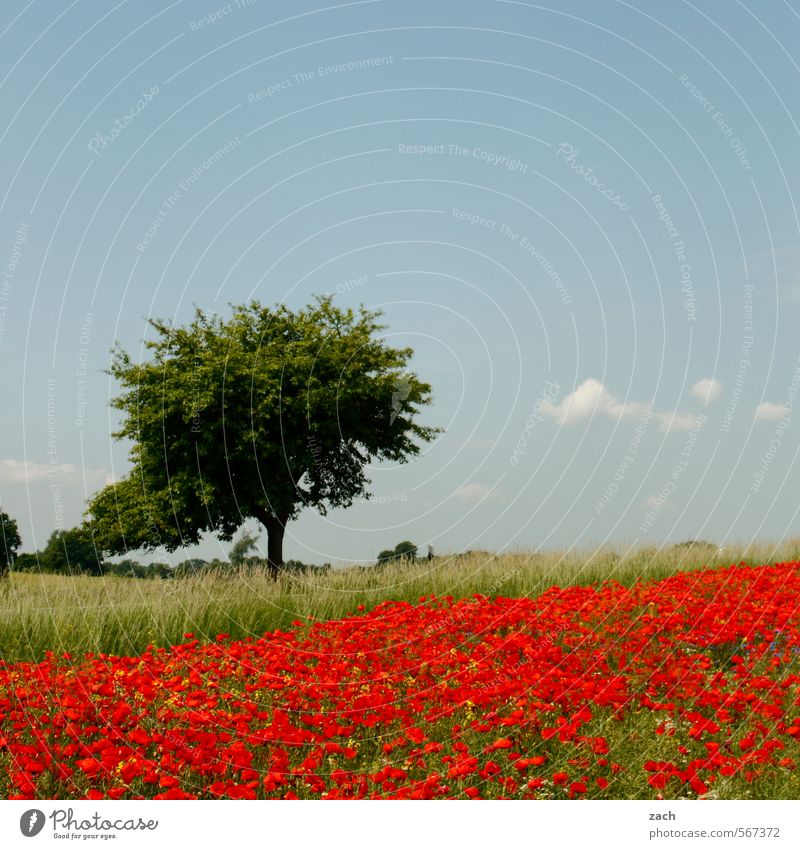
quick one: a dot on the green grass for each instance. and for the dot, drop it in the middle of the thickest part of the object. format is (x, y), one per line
(40, 613)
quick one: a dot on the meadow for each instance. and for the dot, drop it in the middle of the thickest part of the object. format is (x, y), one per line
(77, 614)
(646, 674)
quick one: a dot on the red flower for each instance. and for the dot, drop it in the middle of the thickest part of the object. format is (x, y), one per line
(577, 788)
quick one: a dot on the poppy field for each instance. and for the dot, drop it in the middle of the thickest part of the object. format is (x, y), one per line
(683, 687)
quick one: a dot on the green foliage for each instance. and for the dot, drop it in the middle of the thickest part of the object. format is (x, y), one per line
(242, 547)
(71, 552)
(26, 562)
(298, 567)
(694, 545)
(402, 551)
(258, 416)
(9, 541)
(133, 569)
(406, 550)
(46, 612)
(192, 566)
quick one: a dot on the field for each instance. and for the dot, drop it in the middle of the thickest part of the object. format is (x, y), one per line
(644, 675)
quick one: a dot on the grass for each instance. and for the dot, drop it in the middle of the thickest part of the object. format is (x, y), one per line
(122, 616)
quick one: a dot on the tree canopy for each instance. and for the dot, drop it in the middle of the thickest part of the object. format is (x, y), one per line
(244, 544)
(9, 541)
(257, 417)
(405, 550)
(71, 552)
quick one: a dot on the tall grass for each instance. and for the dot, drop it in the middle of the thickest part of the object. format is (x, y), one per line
(40, 613)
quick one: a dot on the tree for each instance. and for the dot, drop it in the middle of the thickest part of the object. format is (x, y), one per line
(406, 550)
(242, 547)
(403, 550)
(126, 568)
(73, 552)
(192, 566)
(162, 571)
(256, 417)
(26, 562)
(9, 541)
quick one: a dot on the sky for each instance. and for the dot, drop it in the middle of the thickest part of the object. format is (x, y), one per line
(581, 216)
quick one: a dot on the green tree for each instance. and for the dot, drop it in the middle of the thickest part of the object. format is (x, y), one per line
(405, 550)
(162, 571)
(72, 552)
(242, 547)
(9, 542)
(26, 562)
(126, 568)
(192, 566)
(256, 417)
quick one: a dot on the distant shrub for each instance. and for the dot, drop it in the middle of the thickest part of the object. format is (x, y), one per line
(402, 551)
(25, 563)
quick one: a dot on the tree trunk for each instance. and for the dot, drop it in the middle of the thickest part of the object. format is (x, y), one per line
(276, 526)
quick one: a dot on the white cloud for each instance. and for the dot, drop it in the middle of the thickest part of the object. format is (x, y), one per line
(707, 390)
(476, 492)
(26, 471)
(22, 471)
(589, 398)
(656, 502)
(593, 398)
(768, 412)
(676, 422)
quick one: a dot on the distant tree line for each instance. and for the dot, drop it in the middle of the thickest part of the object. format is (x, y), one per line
(402, 551)
(73, 552)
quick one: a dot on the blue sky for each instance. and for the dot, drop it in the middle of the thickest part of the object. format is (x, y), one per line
(582, 218)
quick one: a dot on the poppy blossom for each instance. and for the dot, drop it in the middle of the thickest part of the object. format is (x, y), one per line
(479, 698)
